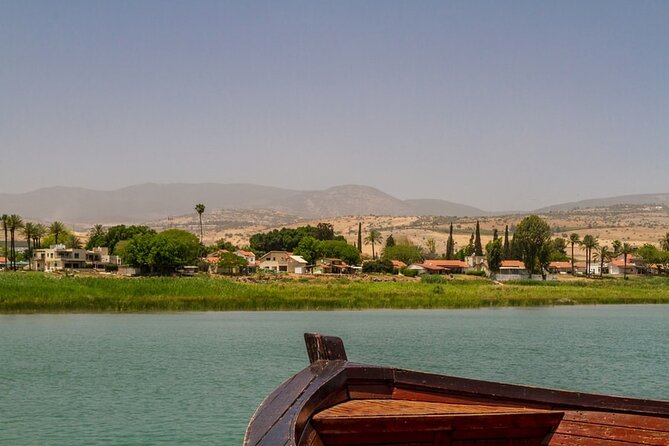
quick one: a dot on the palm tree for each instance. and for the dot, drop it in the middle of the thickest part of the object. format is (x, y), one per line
(199, 208)
(15, 222)
(589, 243)
(604, 254)
(39, 231)
(664, 242)
(625, 250)
(574, 239)
(56, 228)
(28, 233)
(373, 237)
(5, 227)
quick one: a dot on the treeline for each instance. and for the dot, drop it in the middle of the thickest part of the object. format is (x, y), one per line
(287, 239)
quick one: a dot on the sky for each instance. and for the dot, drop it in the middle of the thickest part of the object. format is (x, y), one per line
(503, 105)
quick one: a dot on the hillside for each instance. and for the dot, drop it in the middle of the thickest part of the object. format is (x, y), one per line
(146, 202)
(636, 200)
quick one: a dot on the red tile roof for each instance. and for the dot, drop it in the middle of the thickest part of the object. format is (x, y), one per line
(447, 263)
(560, 264)
(398, 264)
(512, 264)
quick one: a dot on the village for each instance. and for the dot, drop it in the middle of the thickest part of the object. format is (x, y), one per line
(495, 262)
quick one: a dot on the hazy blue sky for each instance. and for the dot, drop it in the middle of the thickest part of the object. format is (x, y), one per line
(500, 105)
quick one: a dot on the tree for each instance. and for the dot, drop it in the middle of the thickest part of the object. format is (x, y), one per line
(324, 231)
(199, 208)
(574, 239)
(450, 244)
(310, 249)
(626, 250)
(390, 241)
(589, 243)
(224, 244)
(531, 235)
(29, 233)
(39, 231)
(229, 263)
(359, 237)
(603, 254)
(5, 227)
(495, 234)
(163, 252)
(431, 248)
(340, 249)
(406, 253)
(506, 249)
(15, 223)
(494, 252)
(378, 266)
(617, 246)
(372, 238)
(544, 257)
(664, 242)
(97, 236)
(478, 249)
(56, 229)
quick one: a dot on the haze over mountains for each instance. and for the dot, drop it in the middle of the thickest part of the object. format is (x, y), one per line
(146, 202)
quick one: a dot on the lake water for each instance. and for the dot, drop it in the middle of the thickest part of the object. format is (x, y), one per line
(195, 378)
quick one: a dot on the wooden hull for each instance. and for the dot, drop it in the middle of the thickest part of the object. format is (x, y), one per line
(336, 402)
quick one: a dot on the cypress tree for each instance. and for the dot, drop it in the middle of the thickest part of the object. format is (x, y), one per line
(495, 236)
(506, 253)
(478, 249)
(359, 236)
(450, 244)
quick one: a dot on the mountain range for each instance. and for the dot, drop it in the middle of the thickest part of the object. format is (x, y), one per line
(141, 203)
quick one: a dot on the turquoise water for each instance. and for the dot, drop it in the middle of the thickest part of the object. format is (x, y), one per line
(195, 378)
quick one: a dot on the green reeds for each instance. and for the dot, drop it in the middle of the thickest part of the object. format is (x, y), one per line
(43, 293)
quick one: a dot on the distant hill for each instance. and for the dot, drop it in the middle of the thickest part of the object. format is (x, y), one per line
(641, 199)
(146, 202)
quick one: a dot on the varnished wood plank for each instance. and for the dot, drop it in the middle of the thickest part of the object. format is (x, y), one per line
(621, 420)
(394, 408)
(570, 440)
(624, 434)
(557, 398)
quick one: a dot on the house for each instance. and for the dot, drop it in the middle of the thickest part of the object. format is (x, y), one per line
(398, 264)
(333, 266)
(476, 263)
(559, 267)
(617, 266)
(247, 255)
(106, 260)
(451, 266)
(57, 258)
(283, 261)
(512, 270)
(424, 268)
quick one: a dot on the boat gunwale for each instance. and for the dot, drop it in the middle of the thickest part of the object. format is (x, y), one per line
(329, 381)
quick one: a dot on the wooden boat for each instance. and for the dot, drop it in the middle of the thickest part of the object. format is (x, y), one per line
(337, 402)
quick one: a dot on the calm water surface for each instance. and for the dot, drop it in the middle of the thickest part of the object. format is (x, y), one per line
(195, 378)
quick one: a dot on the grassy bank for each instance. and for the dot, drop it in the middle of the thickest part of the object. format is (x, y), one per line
(42, 293)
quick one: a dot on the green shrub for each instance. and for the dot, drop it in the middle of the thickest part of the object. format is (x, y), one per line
(474, 272)
(409, 272)
(433, 278)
